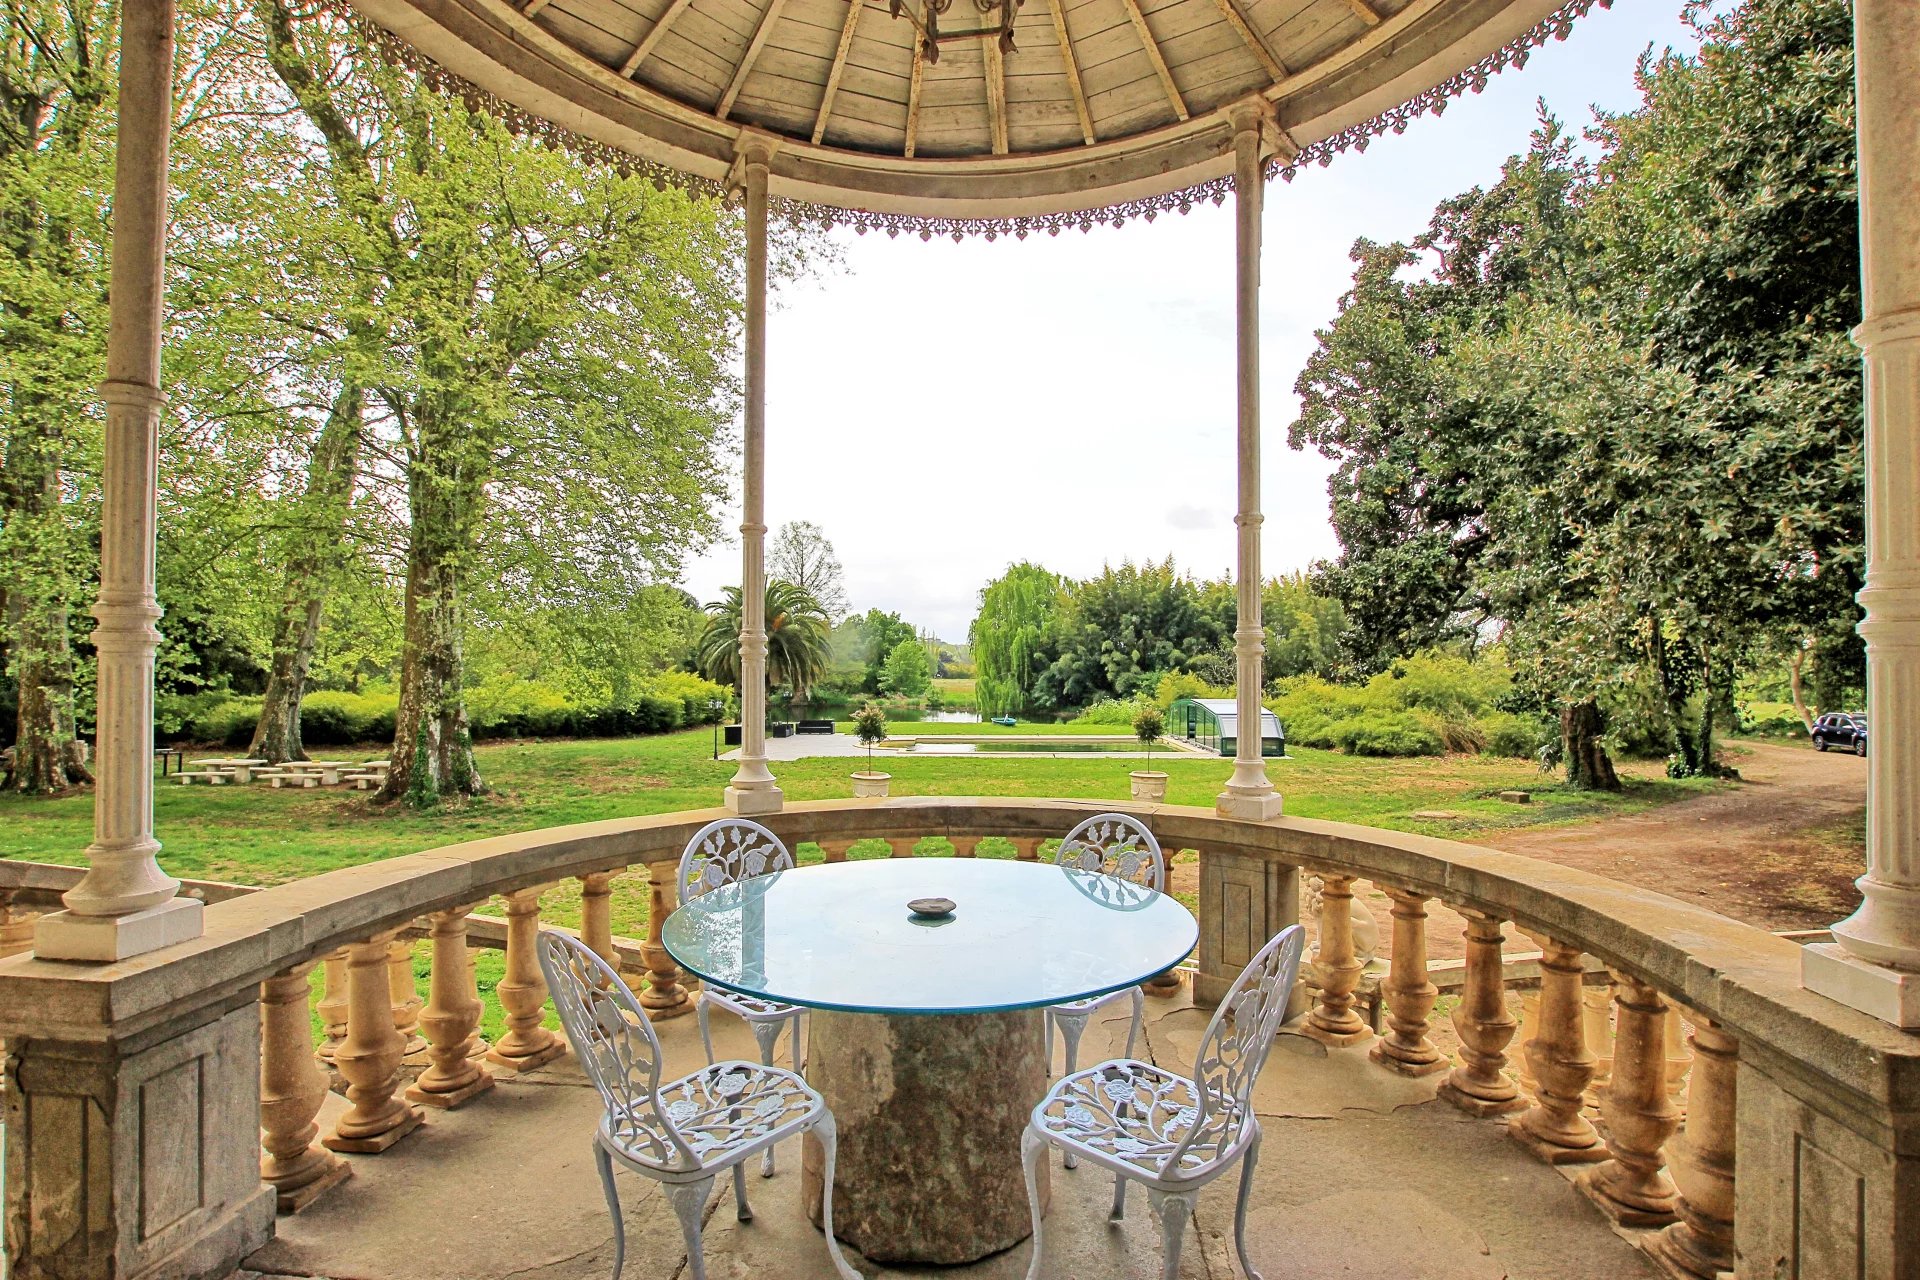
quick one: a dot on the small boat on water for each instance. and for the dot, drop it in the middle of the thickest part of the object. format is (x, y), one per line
(1005, 721)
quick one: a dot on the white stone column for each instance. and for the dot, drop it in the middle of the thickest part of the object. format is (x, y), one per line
(125, 904)
(752, 789)
(1249, 792)
(1874, 962)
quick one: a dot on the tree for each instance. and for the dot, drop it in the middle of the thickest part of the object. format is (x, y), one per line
(798, 646)
(907, 672)
(1119, 631)
(1008, 636)
(1304, 629)
(881, 633)
(801, 554)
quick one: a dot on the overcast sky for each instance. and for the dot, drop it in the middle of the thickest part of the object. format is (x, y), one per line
(942, 410)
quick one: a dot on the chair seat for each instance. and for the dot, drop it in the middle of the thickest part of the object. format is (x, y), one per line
(752, 1008)
(1130, 1115)
(719, 1110)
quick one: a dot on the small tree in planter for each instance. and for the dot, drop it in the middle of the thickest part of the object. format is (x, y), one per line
(1149, 784)
(870, 725)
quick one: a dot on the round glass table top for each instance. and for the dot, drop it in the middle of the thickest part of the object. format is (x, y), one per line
(1021, 935)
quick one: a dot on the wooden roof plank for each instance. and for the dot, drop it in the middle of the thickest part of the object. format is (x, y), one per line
(1073, 70)
(913, 99)
(745, 68)
(1152, 47)
(1255, 44)
(533, 7)
(654, 33)
(1365, 12)
(839, 68)
(994, 64)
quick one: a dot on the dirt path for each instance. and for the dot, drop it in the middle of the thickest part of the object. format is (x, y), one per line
(1779, 851)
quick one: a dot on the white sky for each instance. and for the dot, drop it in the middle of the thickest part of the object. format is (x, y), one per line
(942, 410)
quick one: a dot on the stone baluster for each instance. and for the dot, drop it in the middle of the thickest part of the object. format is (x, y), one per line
(405, 995)
(16, 932)
(1410, 995)
(292, 1087)
(1529, 1028)
(1596, 1016)
(333, 1004)
(1477, 1084)
(1333, 1020)
(901, 848)
(523, 992)
(1555, 1128)
(1027, 848)
(454, 1074)
(964, 846)
(665, 996)
(834, 850)
(1701, 1161)
(596, 916)
(1630, 1187)
(370, 1056)
(1679, 1059)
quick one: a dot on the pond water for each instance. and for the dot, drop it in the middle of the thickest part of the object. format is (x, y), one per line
(1066, 746)
(938, 717)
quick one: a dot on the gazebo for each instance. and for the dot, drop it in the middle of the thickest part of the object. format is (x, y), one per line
(147, 1028)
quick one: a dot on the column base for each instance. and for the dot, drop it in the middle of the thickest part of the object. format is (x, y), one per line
(1552, 1152)
(1338, 1037)
(331, 1175)
(1829, 969)
(62, 935)
(757, 800)
(1656, 1212)
(1248, 806)
(1413, 1068)
(374, 1144)
(1475, 1105)
(453, 1097)
(523, 1063)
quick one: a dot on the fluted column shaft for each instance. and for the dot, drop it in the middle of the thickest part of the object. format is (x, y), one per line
(665, 996)
(453, 1073)
(1249, 792)
(292, 1087)
(369, 1059)
(1476, 1084)
(1640, 1116)
(752, 789)
(523, 991)
(1333, 1020)
(1555, 1128)
(1410, 994)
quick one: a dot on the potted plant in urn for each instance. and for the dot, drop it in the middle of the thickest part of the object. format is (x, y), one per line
(870, 724)
(1149, 784)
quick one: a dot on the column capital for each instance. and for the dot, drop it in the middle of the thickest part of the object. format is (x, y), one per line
(1885, 330)
(120, 392)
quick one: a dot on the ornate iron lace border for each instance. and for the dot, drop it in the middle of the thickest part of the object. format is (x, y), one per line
(1357, 137)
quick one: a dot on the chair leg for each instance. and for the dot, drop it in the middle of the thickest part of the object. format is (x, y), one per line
(1247, 1164)
(1139, 1015)
(1033, 1149)
(1173, 1208)
(799, 1047)
(741, 1209)
(1119, 1213)
(689, 1199)
(768, 1034)
(829, 1136)
(1046, 1039)
(1072, 1026)
(701, 1010)
(602, 1158)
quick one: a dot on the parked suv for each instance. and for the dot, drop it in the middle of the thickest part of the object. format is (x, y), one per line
(1841, 729)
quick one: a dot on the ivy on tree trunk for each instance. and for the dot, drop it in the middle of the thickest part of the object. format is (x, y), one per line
(1588, 766)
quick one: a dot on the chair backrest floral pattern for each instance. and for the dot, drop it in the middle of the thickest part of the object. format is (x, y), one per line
(614, 1039)
(1116, 845)
(1237, 1041)
(727, 851)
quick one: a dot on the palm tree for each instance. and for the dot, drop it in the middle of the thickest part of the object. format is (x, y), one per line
(798, 648)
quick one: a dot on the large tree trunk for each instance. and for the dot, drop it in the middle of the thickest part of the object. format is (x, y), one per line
(1588, 766)
(432, 749)
(47, 754)
(1795, 665)
(312, 549)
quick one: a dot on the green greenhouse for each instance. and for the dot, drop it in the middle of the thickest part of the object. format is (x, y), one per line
(1213, 723)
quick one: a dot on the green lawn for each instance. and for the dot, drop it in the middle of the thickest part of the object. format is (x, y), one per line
(256, 835)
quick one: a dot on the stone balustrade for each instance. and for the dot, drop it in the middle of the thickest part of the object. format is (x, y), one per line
(1712, 1057)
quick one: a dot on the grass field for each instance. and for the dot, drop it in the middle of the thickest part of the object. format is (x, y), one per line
(257, 835)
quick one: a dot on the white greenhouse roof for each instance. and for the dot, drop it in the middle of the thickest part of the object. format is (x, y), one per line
(1227, 712)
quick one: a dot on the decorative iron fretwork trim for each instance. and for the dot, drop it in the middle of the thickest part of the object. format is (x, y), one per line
(1357, 137)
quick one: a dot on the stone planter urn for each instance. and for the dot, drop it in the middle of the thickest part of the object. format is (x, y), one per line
(867, 785)
(1149, 785)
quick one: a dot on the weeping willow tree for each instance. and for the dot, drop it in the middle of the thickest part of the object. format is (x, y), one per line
(1008, 635)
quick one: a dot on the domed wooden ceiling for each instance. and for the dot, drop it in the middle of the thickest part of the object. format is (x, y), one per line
(1115, 106)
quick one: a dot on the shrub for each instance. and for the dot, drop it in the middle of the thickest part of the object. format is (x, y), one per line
(1392, 733)
(334, 718)
(1112, 711)
(1520, 737)
(228, 724)
(1148, 724)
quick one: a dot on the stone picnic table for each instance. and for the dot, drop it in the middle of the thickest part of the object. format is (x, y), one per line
(926, 1035)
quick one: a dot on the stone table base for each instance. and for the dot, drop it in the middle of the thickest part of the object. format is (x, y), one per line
(930, 1110)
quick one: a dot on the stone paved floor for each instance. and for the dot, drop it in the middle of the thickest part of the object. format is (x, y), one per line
(1363, 1176)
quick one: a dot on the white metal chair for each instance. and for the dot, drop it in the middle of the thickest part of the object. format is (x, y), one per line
(1116, 845)
(1171, 1133)
(721, 853)
(683, 1133)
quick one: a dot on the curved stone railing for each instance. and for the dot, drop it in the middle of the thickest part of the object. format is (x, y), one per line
(1804, 1093)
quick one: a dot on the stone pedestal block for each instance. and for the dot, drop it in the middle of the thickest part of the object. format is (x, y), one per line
(1244, 901)
(137, 1164)
(930, 1111)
